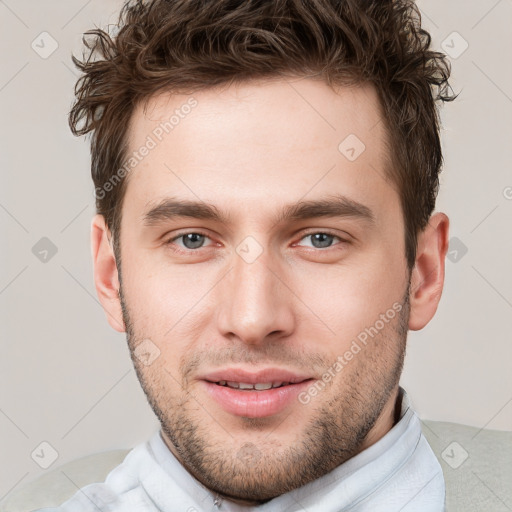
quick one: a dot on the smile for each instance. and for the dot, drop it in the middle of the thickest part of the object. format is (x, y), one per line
(258, 386)
(257, 399)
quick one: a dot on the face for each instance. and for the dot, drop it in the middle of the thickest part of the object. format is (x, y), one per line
(264, 274)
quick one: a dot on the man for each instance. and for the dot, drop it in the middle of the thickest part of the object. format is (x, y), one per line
(266, 175)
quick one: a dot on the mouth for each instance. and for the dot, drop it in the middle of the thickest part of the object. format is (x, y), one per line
(259, 386)
(255, 394)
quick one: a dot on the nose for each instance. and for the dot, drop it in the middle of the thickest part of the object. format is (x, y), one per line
(256, 303)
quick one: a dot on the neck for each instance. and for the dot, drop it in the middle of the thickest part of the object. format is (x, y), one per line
(388, 418)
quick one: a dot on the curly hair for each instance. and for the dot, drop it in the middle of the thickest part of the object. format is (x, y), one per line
(182, 46)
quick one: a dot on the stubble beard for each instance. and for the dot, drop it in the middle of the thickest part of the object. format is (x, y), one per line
(261, 470)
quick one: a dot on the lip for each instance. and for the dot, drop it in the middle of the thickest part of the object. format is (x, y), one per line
(251, 403)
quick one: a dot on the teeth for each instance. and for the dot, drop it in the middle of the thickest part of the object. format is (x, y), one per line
(258, 387)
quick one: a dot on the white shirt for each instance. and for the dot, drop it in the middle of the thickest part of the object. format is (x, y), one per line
(399, 473)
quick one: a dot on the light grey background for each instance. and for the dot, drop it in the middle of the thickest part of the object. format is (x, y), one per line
(66, 377)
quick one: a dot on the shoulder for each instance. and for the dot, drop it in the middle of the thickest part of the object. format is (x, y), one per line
(476, 464)
(55, 487)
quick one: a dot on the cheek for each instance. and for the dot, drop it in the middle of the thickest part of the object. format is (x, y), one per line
(160, 293)
(173, 308)
(343, 300)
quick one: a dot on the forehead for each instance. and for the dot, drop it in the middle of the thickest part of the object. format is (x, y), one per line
(253, 144)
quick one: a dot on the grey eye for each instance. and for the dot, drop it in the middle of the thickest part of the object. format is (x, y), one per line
(320, 240)
(192, 240)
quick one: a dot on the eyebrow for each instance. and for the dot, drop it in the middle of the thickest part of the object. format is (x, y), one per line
(334, 206)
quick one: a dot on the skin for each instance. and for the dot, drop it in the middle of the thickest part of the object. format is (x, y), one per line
(249, 149)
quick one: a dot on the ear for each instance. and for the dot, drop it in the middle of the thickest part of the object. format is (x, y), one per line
(427, 277)
(106, 277)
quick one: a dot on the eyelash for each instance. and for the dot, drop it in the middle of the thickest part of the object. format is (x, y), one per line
(199, 232)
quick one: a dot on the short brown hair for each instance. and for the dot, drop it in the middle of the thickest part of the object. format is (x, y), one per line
(184, 46)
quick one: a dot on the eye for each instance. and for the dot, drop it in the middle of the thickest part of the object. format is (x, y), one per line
(321, 239)
(190, 240)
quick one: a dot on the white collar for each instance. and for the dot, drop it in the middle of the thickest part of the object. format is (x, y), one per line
(358, 480)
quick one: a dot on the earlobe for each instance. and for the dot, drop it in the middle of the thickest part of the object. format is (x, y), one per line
(427, 279)
(106, 277)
